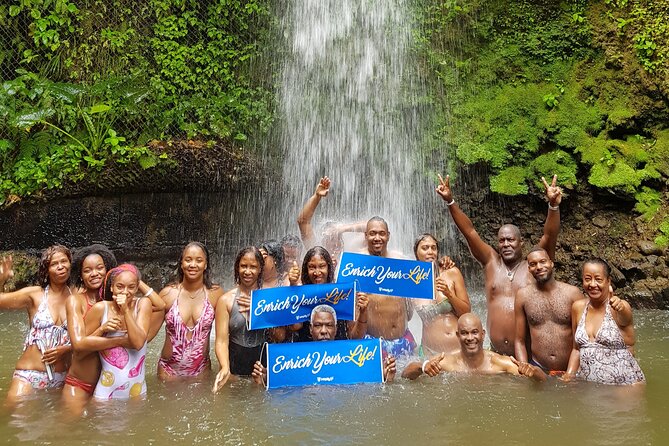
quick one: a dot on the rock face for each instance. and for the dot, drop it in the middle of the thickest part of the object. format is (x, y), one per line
(151, 228)
(592, 226)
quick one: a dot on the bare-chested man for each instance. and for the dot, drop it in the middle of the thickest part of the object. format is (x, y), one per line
(472, 358)
(440, 316)
(387, 316)
(544, 309)
(505, 271)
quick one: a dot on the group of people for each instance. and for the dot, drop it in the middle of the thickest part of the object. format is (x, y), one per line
(91, 318)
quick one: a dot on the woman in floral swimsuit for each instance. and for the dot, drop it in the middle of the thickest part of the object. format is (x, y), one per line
(47, 342)
(190, 309)
(603, 333)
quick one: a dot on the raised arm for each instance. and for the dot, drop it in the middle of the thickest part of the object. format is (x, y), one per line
(157, 304)
(221, 344)
(307, 212)
(138, 329)
(481, 251)
(16, 300)
(552, 226)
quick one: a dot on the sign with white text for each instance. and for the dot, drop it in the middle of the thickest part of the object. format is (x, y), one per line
(324, 363)
(392, 277)
(277, 307)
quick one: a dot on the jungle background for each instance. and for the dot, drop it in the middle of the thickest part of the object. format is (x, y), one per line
(107, 97)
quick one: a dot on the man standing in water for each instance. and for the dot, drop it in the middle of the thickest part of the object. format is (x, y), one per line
(387, 316)
(505, 270)
(544, 308)
(472, 358)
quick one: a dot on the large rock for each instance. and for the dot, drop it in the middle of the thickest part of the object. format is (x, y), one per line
(648, 248)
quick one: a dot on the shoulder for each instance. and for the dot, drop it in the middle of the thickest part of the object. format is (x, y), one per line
(573, 291)
(525, 291)
(215, 293)
(453, 273)
(579, 305)
(97, 309)
(74, 302)
(169, 295)
(227, 298)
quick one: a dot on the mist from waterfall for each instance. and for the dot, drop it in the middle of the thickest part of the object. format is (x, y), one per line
(349, 107)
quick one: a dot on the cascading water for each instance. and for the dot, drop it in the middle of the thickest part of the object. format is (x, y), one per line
(349, 103)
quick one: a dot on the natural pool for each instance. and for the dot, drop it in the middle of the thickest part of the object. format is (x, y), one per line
(445, 410)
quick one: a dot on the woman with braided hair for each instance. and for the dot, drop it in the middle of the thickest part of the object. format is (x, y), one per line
(123, 370)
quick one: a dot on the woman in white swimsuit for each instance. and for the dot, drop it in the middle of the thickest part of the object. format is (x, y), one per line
(123, 367)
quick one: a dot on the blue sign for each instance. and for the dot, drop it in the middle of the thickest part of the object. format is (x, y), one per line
(392, 277)
(324, 362)
(276, 307)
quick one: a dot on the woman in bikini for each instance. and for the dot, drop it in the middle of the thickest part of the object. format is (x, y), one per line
(603, 332)
(122, 367)
(233, 340)
(46, 353)
(190, 307)
(440, 316)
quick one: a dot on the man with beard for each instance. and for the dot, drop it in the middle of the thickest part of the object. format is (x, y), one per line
(472, 358)
(543, 316)
(387, 316)
(505, 271)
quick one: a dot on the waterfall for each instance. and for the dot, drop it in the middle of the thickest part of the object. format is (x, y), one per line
(349, 100)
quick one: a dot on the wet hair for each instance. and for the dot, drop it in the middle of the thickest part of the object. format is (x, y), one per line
(536, 249)
(292, 241)
(258, 255)
(274, 249)
(45, 260)
(379, 219)
(113, 274)
(420, 238)
(206, 277)
(323, 309)
(317, 251)
(598, 261)
(82, 254)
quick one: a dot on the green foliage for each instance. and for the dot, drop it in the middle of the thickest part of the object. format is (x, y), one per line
(644, 26)
(663, 239)
(648, 202)
(97, 80)
(510, 181)
(535, 88)
(59, 132)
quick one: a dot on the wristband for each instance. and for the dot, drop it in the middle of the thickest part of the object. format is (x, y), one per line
(553, 208)
(148, 293)
(424, 364)
(451, 203)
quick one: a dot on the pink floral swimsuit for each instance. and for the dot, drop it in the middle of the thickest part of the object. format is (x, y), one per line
(190, 345)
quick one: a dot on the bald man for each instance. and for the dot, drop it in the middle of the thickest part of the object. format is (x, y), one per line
(505, 270)
(472, 358)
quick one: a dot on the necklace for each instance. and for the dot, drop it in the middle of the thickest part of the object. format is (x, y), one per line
(193, 296)
(511, 273)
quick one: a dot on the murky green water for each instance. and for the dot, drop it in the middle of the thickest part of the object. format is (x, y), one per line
(446, 410)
